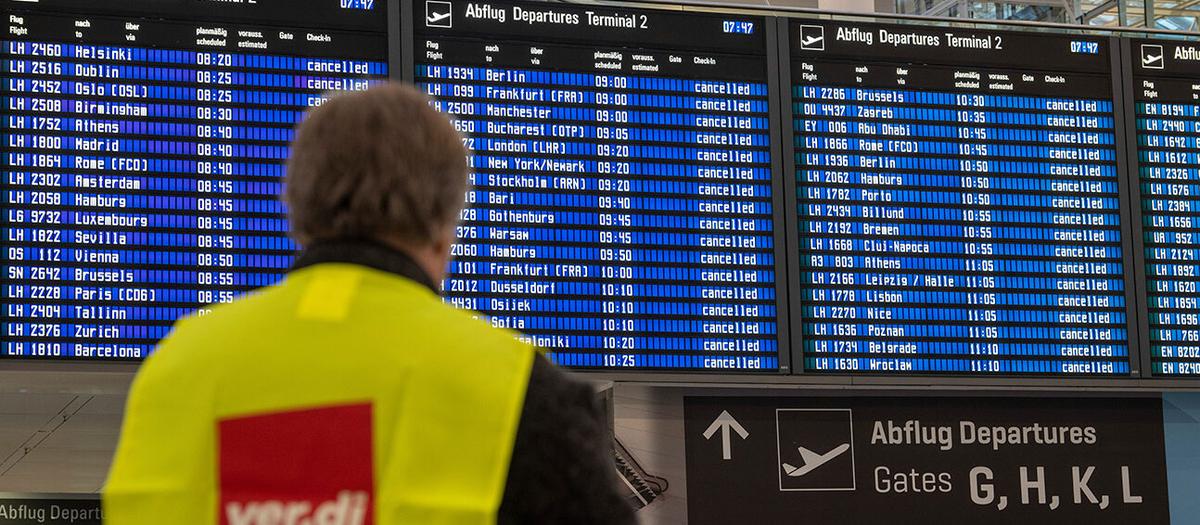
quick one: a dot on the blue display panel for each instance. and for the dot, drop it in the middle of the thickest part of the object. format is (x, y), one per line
(959, 204)
(144, 144)
(1167, 108)
(623, 213)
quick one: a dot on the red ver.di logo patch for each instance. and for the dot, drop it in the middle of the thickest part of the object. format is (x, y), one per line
(312, 466)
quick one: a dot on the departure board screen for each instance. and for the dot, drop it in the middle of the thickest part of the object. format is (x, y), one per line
(144, 144)
(622, 214)
(958, 203)
(1167, 108)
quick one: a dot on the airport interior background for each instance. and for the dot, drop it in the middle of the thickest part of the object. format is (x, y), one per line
(825, 261)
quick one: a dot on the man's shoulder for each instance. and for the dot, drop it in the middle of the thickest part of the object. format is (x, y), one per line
(546, 379)
(556, 402)
(396, 308)
(561, 469)
(243, 309)
(423, 309)
(473, 322)
(384, 296)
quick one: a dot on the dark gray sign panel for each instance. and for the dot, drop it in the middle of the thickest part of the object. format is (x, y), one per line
(27, 509)
(925, 459)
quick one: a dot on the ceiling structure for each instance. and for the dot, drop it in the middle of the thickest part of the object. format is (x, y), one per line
(1178, 15)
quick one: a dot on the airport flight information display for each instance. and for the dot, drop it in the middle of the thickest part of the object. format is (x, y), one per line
(622, 213)
(144, 144)
(958, 202)
(1167, 108)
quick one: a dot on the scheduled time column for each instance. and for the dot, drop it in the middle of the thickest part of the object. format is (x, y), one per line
(620, 298)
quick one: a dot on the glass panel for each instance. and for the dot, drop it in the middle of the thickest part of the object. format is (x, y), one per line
(1058, 11)
(1177, 23)
(1176, 15)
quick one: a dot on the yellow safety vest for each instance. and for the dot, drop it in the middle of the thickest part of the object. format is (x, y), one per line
(343, 396)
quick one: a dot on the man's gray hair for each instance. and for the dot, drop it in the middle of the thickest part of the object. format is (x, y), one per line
(380, 163)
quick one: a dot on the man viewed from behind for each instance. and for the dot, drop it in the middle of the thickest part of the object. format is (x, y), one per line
(350, 393)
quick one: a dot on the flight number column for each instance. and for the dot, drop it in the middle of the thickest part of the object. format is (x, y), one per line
(1169, 160)
(66, 219)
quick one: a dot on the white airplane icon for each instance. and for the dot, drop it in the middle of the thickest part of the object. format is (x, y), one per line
(812, 460)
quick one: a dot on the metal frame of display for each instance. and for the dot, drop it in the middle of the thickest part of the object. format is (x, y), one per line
(785, 330)
(787, 177)
(1121, 140)
(1125, 177)
(776, 101)
(1133, 188)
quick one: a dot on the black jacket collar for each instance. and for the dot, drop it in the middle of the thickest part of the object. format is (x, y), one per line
(362, 252)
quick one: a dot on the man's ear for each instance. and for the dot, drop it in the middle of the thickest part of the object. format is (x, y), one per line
(444, 242)
(440, 253)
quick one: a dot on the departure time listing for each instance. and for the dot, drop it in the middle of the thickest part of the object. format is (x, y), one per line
(622, 211)
(959, 213)
(143, 159)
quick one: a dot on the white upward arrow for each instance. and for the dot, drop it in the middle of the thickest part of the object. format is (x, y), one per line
(723, 423)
